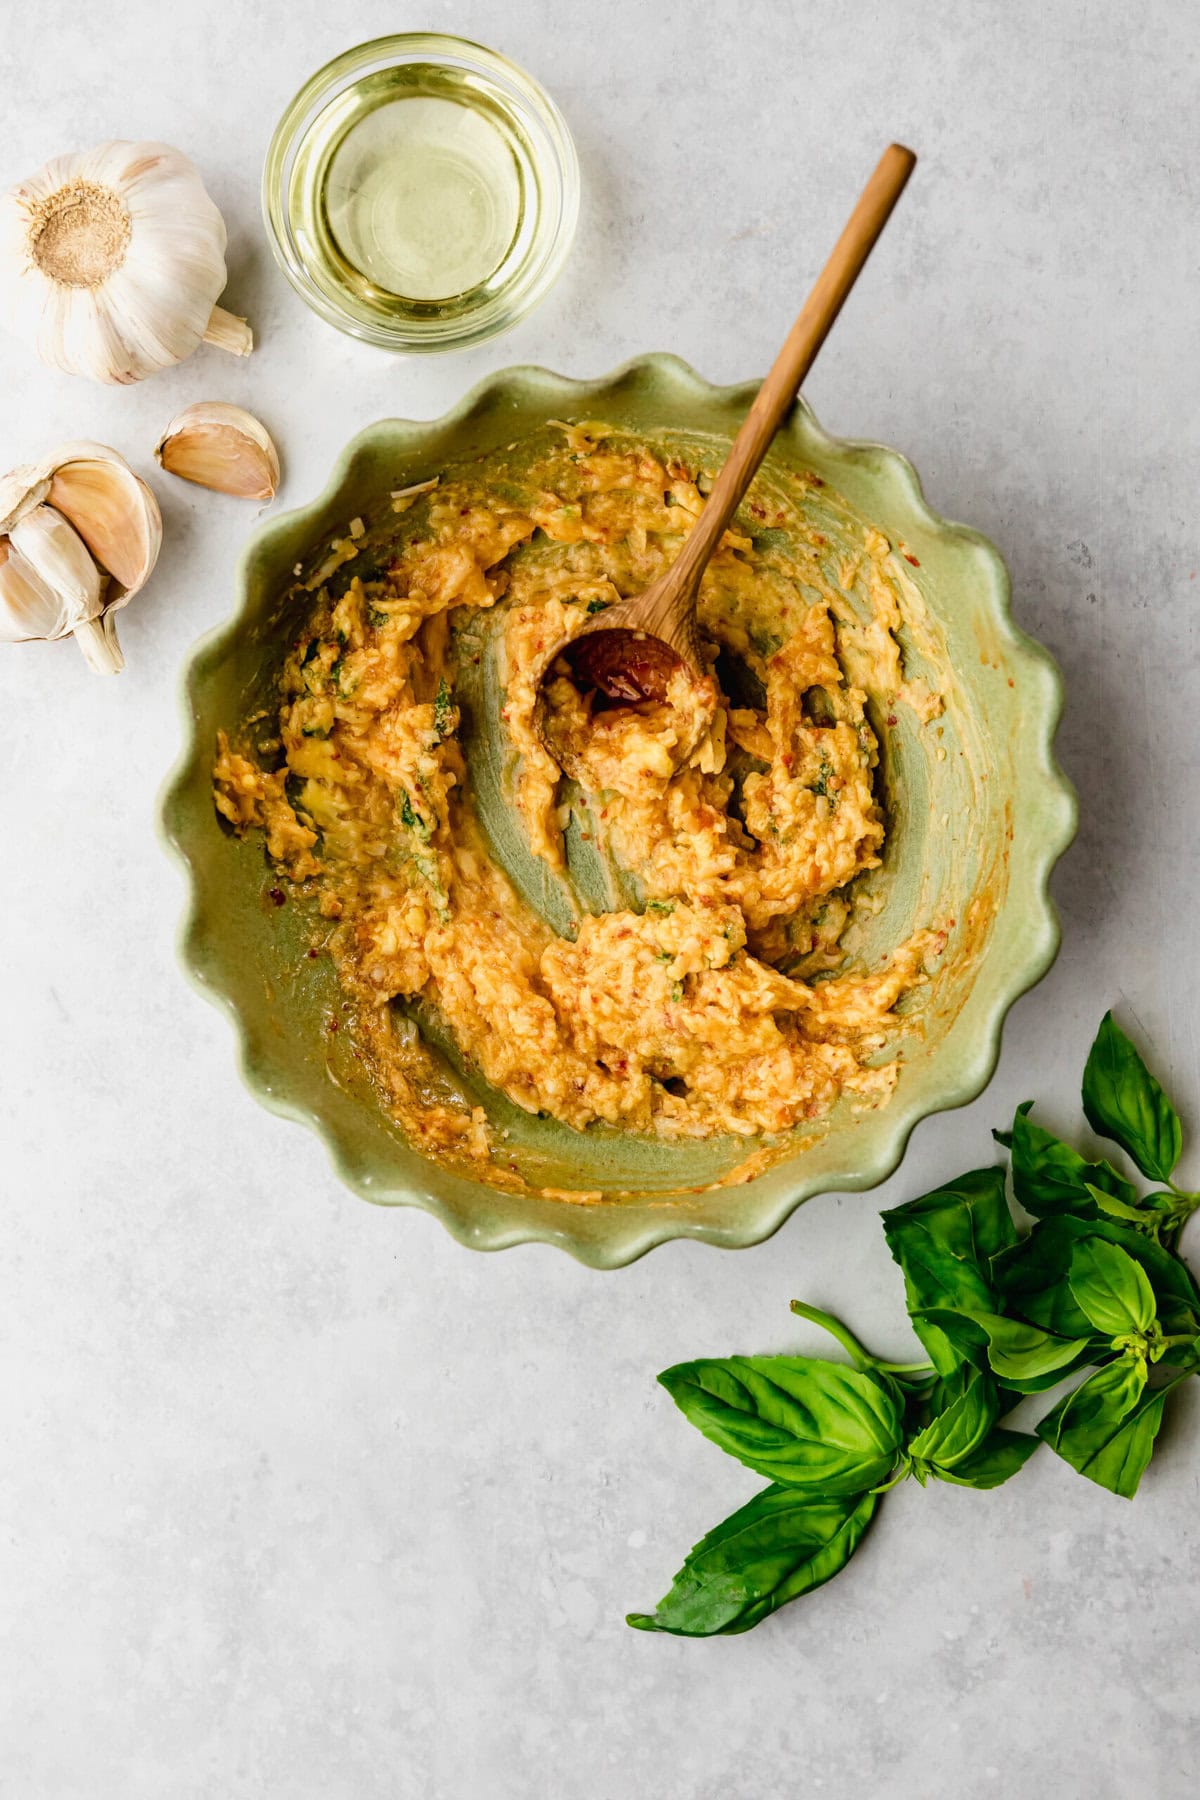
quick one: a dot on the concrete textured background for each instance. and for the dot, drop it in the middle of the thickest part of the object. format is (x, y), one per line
(298, 1497)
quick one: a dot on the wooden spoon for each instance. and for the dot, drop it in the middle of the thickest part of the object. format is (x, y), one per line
(630, 650)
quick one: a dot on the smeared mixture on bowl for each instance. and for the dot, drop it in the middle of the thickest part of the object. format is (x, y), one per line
(740, 810)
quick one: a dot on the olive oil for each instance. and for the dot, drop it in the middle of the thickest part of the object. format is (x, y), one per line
(413, 195)
(421, 192)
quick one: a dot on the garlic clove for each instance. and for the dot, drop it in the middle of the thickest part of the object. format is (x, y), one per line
(29, 607)
(113, 511)
(97, 639)
(57, 554)
(222, 447)
(33, 607)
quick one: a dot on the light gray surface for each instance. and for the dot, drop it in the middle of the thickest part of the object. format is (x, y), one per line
(298, 1498)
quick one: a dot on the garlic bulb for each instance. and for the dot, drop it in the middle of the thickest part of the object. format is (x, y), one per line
(111, 263)
(79, 535)
(222, 447)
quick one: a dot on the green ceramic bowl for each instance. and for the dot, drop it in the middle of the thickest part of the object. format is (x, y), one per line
(978, 811)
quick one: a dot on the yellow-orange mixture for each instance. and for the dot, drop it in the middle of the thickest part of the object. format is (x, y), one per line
(718, 1003)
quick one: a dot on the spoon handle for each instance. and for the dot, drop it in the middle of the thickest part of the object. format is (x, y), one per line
(800, 347)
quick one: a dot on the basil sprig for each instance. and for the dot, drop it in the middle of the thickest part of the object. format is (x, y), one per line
(1094, 1287)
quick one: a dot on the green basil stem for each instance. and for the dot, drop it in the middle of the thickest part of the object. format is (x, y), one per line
(859, 1355)
(902, 1472)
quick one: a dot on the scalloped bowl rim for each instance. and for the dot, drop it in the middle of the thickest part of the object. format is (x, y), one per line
(631, 1232)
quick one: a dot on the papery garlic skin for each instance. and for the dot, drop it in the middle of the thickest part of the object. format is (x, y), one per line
(79, 535)
(221, 447)
(111, 262)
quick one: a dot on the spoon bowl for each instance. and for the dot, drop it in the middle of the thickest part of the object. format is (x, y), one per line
(627, 662)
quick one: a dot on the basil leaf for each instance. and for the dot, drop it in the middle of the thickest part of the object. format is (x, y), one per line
(1001, 1455)
(1123, 1101)
(1032, 1280)
(1049, 1177)
(944, 1243)
(1033, 1276)
(1183, 1357)
(779, 1546)
(820, 1426)
(959, 1430)
(943, 1391)
(1107, 1427)
(1109, 1207)
(1111, 1289)
(1025, 1357)
(966, 1339)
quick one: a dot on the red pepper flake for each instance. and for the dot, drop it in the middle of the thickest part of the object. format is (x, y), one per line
(760, 512)
(891, 718)
(815, 479)
(313, 954)
(333, 1024)
(910, 559)
(818, 537)
(278, 896)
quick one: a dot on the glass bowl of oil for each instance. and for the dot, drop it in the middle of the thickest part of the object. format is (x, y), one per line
(421, 192)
